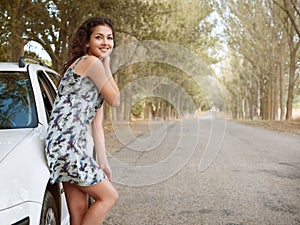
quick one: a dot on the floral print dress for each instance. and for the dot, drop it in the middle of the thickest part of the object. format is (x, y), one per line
(66, 144)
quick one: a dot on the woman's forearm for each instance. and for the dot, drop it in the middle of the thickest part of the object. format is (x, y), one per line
(109, 74)
(99, 140)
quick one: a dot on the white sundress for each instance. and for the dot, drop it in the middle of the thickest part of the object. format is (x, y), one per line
(66, 145)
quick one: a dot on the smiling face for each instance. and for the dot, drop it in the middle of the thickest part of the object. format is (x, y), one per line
(101, 41)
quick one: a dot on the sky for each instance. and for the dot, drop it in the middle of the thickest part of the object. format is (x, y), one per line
(38, 49)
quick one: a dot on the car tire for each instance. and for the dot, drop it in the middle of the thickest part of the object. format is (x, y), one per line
(49, 214)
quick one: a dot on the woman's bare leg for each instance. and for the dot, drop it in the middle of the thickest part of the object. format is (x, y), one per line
(105, 197)
(77, 203)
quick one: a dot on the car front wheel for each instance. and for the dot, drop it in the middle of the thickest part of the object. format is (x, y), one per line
(49, 215)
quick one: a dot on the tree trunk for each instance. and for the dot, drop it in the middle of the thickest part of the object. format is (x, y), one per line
(119, 109)
(281, 85)
(271, 97)
(127, 95)
(127, 105)
(106, 112)
(292, 70)
(148, 111)
(290, 98)
(276, 95)
(114, 114)
(263, 99)
(251, 97)
(16, 31)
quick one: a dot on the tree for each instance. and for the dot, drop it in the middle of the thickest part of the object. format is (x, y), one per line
(52, 24)
(259, 34)
(174, 18)
(13, 23)
(291, 9)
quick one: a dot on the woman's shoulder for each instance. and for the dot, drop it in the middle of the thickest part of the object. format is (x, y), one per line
(93, 63)
(91, 59)
(92, 66)
(87, 65)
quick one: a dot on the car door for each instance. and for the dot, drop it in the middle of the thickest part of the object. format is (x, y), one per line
(49, 92)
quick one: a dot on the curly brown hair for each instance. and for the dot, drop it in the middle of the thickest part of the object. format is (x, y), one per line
(77, 47)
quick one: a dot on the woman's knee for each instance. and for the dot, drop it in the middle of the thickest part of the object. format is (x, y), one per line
(103, 192)
(110, 202)
(114, 197)
(109, 196)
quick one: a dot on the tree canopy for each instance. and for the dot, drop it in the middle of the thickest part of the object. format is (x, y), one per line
(260, 75)
(52, 23)
(263, 38)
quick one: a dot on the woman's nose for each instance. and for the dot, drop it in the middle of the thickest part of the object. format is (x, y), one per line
(104, 40)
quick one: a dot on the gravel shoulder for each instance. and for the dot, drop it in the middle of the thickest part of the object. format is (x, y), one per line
(292, 127)
(137, 128)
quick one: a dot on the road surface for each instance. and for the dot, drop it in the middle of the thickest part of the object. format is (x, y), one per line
(206, 171)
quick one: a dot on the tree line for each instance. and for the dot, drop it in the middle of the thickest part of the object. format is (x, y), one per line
(52, 24)
(263, 37)
(261, 66)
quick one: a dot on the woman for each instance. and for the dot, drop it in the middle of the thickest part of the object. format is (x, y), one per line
(87, 80)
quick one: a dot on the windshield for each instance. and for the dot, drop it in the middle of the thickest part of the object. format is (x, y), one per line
(17, 105)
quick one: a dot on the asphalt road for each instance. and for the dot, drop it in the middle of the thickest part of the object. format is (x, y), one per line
(206, 171)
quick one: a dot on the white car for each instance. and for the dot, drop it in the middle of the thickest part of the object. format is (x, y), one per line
(27, 93)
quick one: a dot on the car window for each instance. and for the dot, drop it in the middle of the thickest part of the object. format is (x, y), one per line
(48, 93)
(17, 105)
(54, 77)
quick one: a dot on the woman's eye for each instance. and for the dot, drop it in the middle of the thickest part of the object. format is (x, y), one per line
(98, 37)
(110, 38)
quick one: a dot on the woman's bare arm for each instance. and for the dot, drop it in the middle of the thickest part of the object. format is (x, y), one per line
(100, 73)
(99, 143)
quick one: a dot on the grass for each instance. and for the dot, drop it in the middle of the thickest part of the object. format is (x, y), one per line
(292, 126)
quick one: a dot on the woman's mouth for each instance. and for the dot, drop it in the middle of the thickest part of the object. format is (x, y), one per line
(104, 49)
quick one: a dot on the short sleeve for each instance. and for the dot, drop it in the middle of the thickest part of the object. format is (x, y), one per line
(97, 73)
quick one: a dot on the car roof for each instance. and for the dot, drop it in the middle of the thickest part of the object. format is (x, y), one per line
(14, 66)
(11, 66)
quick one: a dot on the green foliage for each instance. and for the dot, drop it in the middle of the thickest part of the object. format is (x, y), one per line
(52, 24)
(262, 39)
(138, 109)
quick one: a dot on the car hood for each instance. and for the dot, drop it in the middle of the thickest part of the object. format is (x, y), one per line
(9, 139)
(23, 168)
